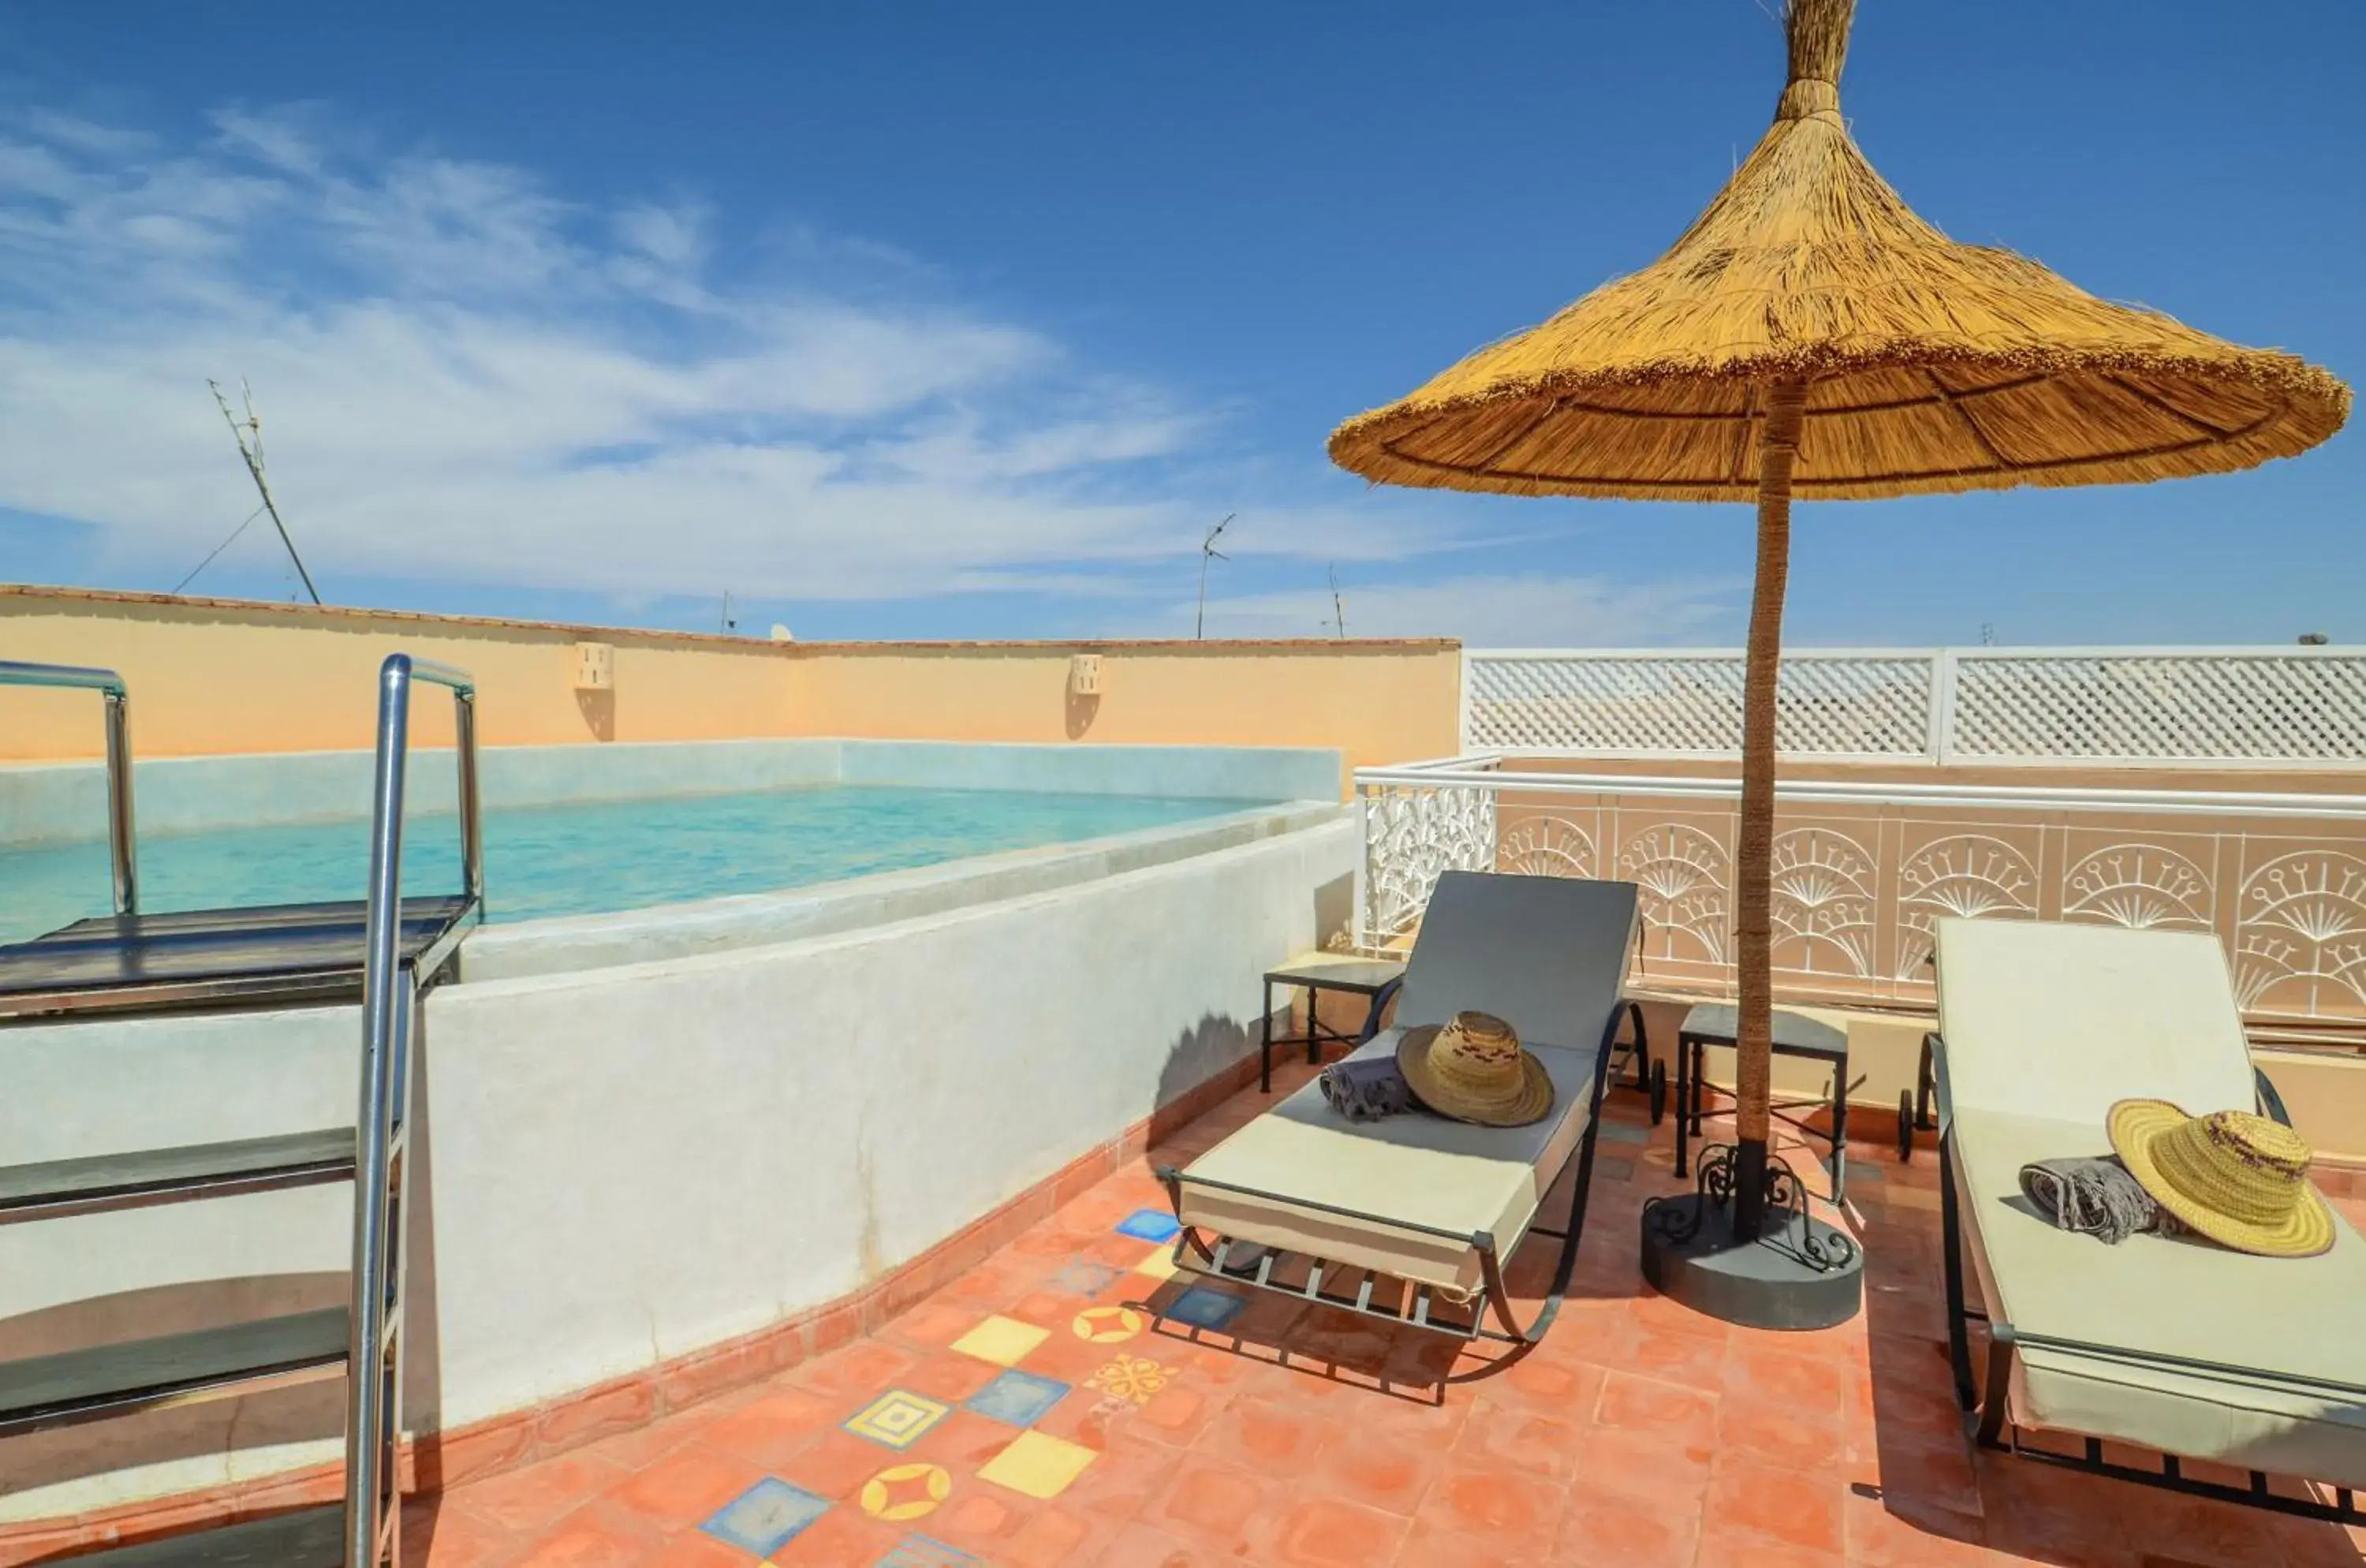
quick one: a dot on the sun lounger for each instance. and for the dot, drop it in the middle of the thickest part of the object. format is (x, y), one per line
(1362, 1214)
(2193, 1351)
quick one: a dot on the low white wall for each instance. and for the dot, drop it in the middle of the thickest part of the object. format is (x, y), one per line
(624, 1164)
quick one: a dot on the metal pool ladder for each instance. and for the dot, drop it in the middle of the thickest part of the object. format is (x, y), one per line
(388, 949)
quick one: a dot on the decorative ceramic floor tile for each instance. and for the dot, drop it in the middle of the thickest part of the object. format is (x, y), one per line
(1150, 1225)
(1203, 1308)
(1004, 1341)
(1130, 1378)
(1159, 1265)
(1621, 1132)
(904, 1492)
(896, 1419)
(1037, 1465)
(1109, 1326)
(919, 1551)
(1083, 1277)
(1017, 1398)
(766, 1516)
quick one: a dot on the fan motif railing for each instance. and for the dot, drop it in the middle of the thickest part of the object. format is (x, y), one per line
(1863, 871)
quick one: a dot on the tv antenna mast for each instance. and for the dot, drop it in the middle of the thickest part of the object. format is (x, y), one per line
(1338, 606)
(249, 437)
(1208, 552)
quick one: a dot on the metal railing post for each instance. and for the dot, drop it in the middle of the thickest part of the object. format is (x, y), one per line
(122, 850)
(382, 1162)
(472, 843)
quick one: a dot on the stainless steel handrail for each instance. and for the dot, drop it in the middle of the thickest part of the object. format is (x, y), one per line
(14, 672)
(390, 1000)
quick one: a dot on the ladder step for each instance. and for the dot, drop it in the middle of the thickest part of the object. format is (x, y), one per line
(174, 1369)
(309, 1538)
(95, 1184)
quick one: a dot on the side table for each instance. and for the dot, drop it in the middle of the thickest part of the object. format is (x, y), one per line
(1315, 973)
(1715, 1023)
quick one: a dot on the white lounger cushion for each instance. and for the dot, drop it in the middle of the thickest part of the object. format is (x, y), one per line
(2276, 1317)
(1419, 1168)
(2045, 1026)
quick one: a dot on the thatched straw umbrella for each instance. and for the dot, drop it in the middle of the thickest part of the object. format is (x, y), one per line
(1809, 335)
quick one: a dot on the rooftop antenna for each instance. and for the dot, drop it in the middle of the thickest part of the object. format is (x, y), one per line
(1988, 633)
(249, 437)
(1208, 552)
(1338, 610)
(728, 624)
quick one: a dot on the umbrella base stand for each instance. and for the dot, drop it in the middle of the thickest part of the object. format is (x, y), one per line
(1797, 1272)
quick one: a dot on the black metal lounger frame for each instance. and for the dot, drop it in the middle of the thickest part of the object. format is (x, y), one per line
(1258, 1272)
(1984, 1400)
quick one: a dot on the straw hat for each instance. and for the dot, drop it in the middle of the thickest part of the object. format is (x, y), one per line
(1473, 1070)
(2240, 1179)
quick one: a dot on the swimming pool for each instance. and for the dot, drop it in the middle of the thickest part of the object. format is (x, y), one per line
(590, 858)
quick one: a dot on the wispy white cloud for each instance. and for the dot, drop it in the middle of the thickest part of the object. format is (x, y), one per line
(1532, 611)
(465, 375)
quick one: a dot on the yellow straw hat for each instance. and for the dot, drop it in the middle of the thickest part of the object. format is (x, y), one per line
(2240, 1179)
(1473, 1070)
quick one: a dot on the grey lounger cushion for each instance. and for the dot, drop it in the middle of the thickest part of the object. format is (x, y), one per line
(2045, 1026)
(1418, 1168)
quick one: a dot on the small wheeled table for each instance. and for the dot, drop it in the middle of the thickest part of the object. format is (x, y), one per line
(1715, 1023)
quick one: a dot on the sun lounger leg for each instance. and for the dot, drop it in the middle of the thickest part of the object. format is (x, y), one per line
(1951, 1248)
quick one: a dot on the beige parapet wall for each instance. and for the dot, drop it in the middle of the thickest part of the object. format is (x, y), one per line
(211, 676)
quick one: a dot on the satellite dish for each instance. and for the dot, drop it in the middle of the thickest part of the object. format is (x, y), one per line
(781, 633)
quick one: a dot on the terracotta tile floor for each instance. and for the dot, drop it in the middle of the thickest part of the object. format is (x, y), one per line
(1039, 1413)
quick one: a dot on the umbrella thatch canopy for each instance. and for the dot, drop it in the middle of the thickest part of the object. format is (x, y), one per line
(1810, 335)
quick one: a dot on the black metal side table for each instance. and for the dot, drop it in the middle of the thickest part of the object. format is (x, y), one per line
(1315, 973)
(1715, 1023)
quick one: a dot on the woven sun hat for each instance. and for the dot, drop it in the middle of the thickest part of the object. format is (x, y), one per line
(2240, 1179)
(1472, 1069)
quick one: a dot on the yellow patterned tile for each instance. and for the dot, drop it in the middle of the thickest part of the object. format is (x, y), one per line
(1132, 1379)
(905, 1491)
(896, 1418)
(1037, 1465)
(1159, 1265)
(1004, 1341)
(1108, 1325)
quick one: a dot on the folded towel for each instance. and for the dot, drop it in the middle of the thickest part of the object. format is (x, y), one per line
(1367, 1090)
(2097, 1197)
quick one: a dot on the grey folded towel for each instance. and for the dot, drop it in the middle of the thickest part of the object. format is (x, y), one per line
(2096, 1197)
(1367, 1089)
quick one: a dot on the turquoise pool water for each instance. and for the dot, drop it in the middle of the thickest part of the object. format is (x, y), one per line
(581, 859)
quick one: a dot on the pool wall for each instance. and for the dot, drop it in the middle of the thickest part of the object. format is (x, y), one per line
(621, 1167)
(49, 803)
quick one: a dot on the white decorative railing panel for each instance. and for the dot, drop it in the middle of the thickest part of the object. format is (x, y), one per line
(1863, 872)
(2176, 707)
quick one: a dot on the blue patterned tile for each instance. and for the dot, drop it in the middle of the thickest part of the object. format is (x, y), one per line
(1083, 1277)
(1017, 1398)
(766, 1516)
(1203, 1308)
(919, 1551)
(1150, 1225)
(1624, 1133)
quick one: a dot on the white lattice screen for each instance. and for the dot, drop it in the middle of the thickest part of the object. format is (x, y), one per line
(1691, 704)
(2161, 707)
(2203, 707)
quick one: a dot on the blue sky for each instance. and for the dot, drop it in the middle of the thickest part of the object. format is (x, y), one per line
(938, 320)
